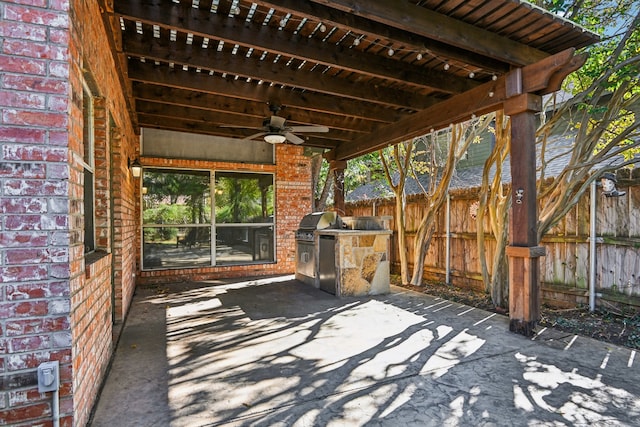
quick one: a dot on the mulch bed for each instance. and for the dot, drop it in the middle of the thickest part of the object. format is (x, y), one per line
(604, 325)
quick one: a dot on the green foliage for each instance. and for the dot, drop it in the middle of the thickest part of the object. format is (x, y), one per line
(160, 234)
(176, 197)
(322, 178)
(362, 170)
(243, 198)
(166, 214)
(617, 23)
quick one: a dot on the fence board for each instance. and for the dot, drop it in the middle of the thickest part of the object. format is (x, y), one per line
(606, 216)
(630, 269)
(634, 207)
(607, 266)
(567, 261)
(582, 265)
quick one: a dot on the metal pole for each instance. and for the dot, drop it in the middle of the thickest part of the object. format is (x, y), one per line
(592, 249)
(448, 241)
(56, 408)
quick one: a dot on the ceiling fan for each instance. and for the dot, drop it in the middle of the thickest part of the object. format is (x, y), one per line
(276, 131)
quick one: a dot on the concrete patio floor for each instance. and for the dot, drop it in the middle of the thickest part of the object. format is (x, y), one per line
(277, 352)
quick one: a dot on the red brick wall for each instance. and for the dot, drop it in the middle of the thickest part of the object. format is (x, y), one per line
(35, 324)
(293, 200)
(92, 287)
(55, 304)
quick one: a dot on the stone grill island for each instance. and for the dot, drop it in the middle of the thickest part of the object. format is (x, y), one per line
(354, 260)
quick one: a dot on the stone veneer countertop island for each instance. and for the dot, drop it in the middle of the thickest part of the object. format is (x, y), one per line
(361, 261)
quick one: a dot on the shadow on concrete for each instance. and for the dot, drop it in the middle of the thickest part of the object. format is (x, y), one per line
(278, 352)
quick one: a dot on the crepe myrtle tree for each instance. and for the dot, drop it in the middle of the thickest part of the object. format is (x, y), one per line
(435, 157)
(494, 202)
(600, 124)
(396, 163)
(603, 122)
(460, 137)
(321, 182)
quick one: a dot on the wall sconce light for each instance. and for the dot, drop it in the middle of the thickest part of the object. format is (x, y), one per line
(608, 182)
(135, 167)
(275, 138)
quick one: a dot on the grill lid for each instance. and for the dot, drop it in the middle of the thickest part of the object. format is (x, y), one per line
(320, 221)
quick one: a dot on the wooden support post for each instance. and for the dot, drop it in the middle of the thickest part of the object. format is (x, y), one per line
(337, 167)
(523, 252)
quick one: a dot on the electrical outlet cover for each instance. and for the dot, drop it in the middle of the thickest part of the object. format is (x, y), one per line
(48, 376)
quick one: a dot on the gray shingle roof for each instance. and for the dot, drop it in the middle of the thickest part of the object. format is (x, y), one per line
(557, 155)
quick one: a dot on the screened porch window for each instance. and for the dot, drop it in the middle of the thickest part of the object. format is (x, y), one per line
(181, 228)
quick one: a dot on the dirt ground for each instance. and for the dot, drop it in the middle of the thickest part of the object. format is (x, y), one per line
(603, 325)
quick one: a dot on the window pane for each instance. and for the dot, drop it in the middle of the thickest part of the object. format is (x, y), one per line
(87, 126)
(87, 155)
(177, 220)
(244, 244)
(176, 197)
(244, 198)
(176, 247)
(88, 200)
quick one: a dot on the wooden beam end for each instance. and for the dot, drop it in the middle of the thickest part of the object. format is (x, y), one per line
(523, 103)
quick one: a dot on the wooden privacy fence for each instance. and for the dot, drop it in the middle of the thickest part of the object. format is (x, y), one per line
(564, 271)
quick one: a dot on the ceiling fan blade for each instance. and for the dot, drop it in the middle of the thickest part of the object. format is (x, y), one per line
(255, 135)
(317, 129)
(277, 122)
(293, 138)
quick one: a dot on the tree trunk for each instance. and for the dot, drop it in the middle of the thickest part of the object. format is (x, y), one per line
(319, 203)
(402, 239)
(493, 199)
(402, 165)
(461, 136)
(500, 278)
(421, 246)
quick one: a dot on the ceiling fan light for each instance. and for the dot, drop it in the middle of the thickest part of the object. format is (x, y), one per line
(275, 138)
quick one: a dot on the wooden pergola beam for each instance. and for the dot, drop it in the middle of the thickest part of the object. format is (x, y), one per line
(202, 83)
(536, 78)
(186, 125)
(243, 113)
(374, 30)
(262, 38)
(197, 57)
(409, 17)
(215, 119)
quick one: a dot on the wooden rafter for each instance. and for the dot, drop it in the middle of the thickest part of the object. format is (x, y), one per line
(435, 26)
(374, 72)
(307, 101)
(491, 96)
(253, 113)
(375, 30)
(258, 36)
(196, 57)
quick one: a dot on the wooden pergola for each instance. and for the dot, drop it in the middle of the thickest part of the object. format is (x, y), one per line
(375, 72)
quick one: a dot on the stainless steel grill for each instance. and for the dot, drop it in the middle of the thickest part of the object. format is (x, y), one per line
(307, 243)
(304, 235)
(317, 221)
